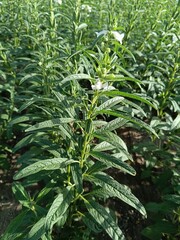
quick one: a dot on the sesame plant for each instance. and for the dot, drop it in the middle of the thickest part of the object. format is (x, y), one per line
(74, 73)
(73, 148)
(157, 65)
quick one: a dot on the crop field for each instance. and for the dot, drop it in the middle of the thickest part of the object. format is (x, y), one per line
(89, 119)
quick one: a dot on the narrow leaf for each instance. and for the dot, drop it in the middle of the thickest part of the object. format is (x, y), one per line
(105, 220)
(75, 77)
(48, 164)
(29, 76)
(112, 125)
(103, 146)
(27, 140)
(115, 189)
(60, 206)
(115, 141)
(129, 95)
(23, 119)
(21, 194)
(176, 123)
(91, 224)
(112, 161)
(110, 103)
(37, 230)
(77, 177)
(130, 118)
(33, 100)
(96, 167)
(12, 231)
(130, 103)
(49, 123)
(121, 78)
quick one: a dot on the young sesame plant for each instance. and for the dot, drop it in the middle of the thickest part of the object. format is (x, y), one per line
(74, 75)
(73, 148)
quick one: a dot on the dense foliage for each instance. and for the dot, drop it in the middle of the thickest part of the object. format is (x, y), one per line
(72, 74)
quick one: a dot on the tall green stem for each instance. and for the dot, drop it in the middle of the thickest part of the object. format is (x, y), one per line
(88, 131)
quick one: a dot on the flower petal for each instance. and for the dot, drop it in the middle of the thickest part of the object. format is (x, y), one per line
(103, 32)
(97, 86)
(118, 36)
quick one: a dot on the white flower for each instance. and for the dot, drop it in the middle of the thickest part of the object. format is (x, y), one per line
(174, 38)
(86, 8)
(0, 3)
(100, 86)
(118, 36)
(58, 1)
(103, 32)
(107, 87)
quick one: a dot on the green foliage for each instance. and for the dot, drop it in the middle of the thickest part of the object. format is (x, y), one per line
(68, 82)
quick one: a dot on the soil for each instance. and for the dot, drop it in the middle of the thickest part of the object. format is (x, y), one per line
(9, 207)
(130, 221)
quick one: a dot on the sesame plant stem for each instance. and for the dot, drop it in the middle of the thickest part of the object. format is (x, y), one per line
(88, 131)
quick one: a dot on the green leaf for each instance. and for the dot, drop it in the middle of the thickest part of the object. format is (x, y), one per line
(27, 104)
(121, 78)
(109, 103)
(155, 232)
(42, 193)
(115, 189)
(81, 26)
(27, 140)
(129, 95)
(129, 118)
(112, 125)
(111, 161)
(48, 164)
(65, 132)
(75, 77)
(2, 74)
(28, 76)
(37, 230)
(50, 123)
(60, 206)
(172, 198)
(129, 103)
(48, 146)
(176, 123)
(61, 220)
(33, 100)
(96, 167)
(14, 230)
(125, 71)
(21, 194)
(104, 219)
(77, 177)
(91, 224)
(115, 141)
(103, 146)
(23, 119)
(98, 123)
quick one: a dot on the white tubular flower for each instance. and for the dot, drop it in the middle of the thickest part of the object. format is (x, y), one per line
(58, 1)
(106, 87)
(103, 32)
(97, 86)
(118, 36)
(174, 38)
(100, 86)
(86, 8)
